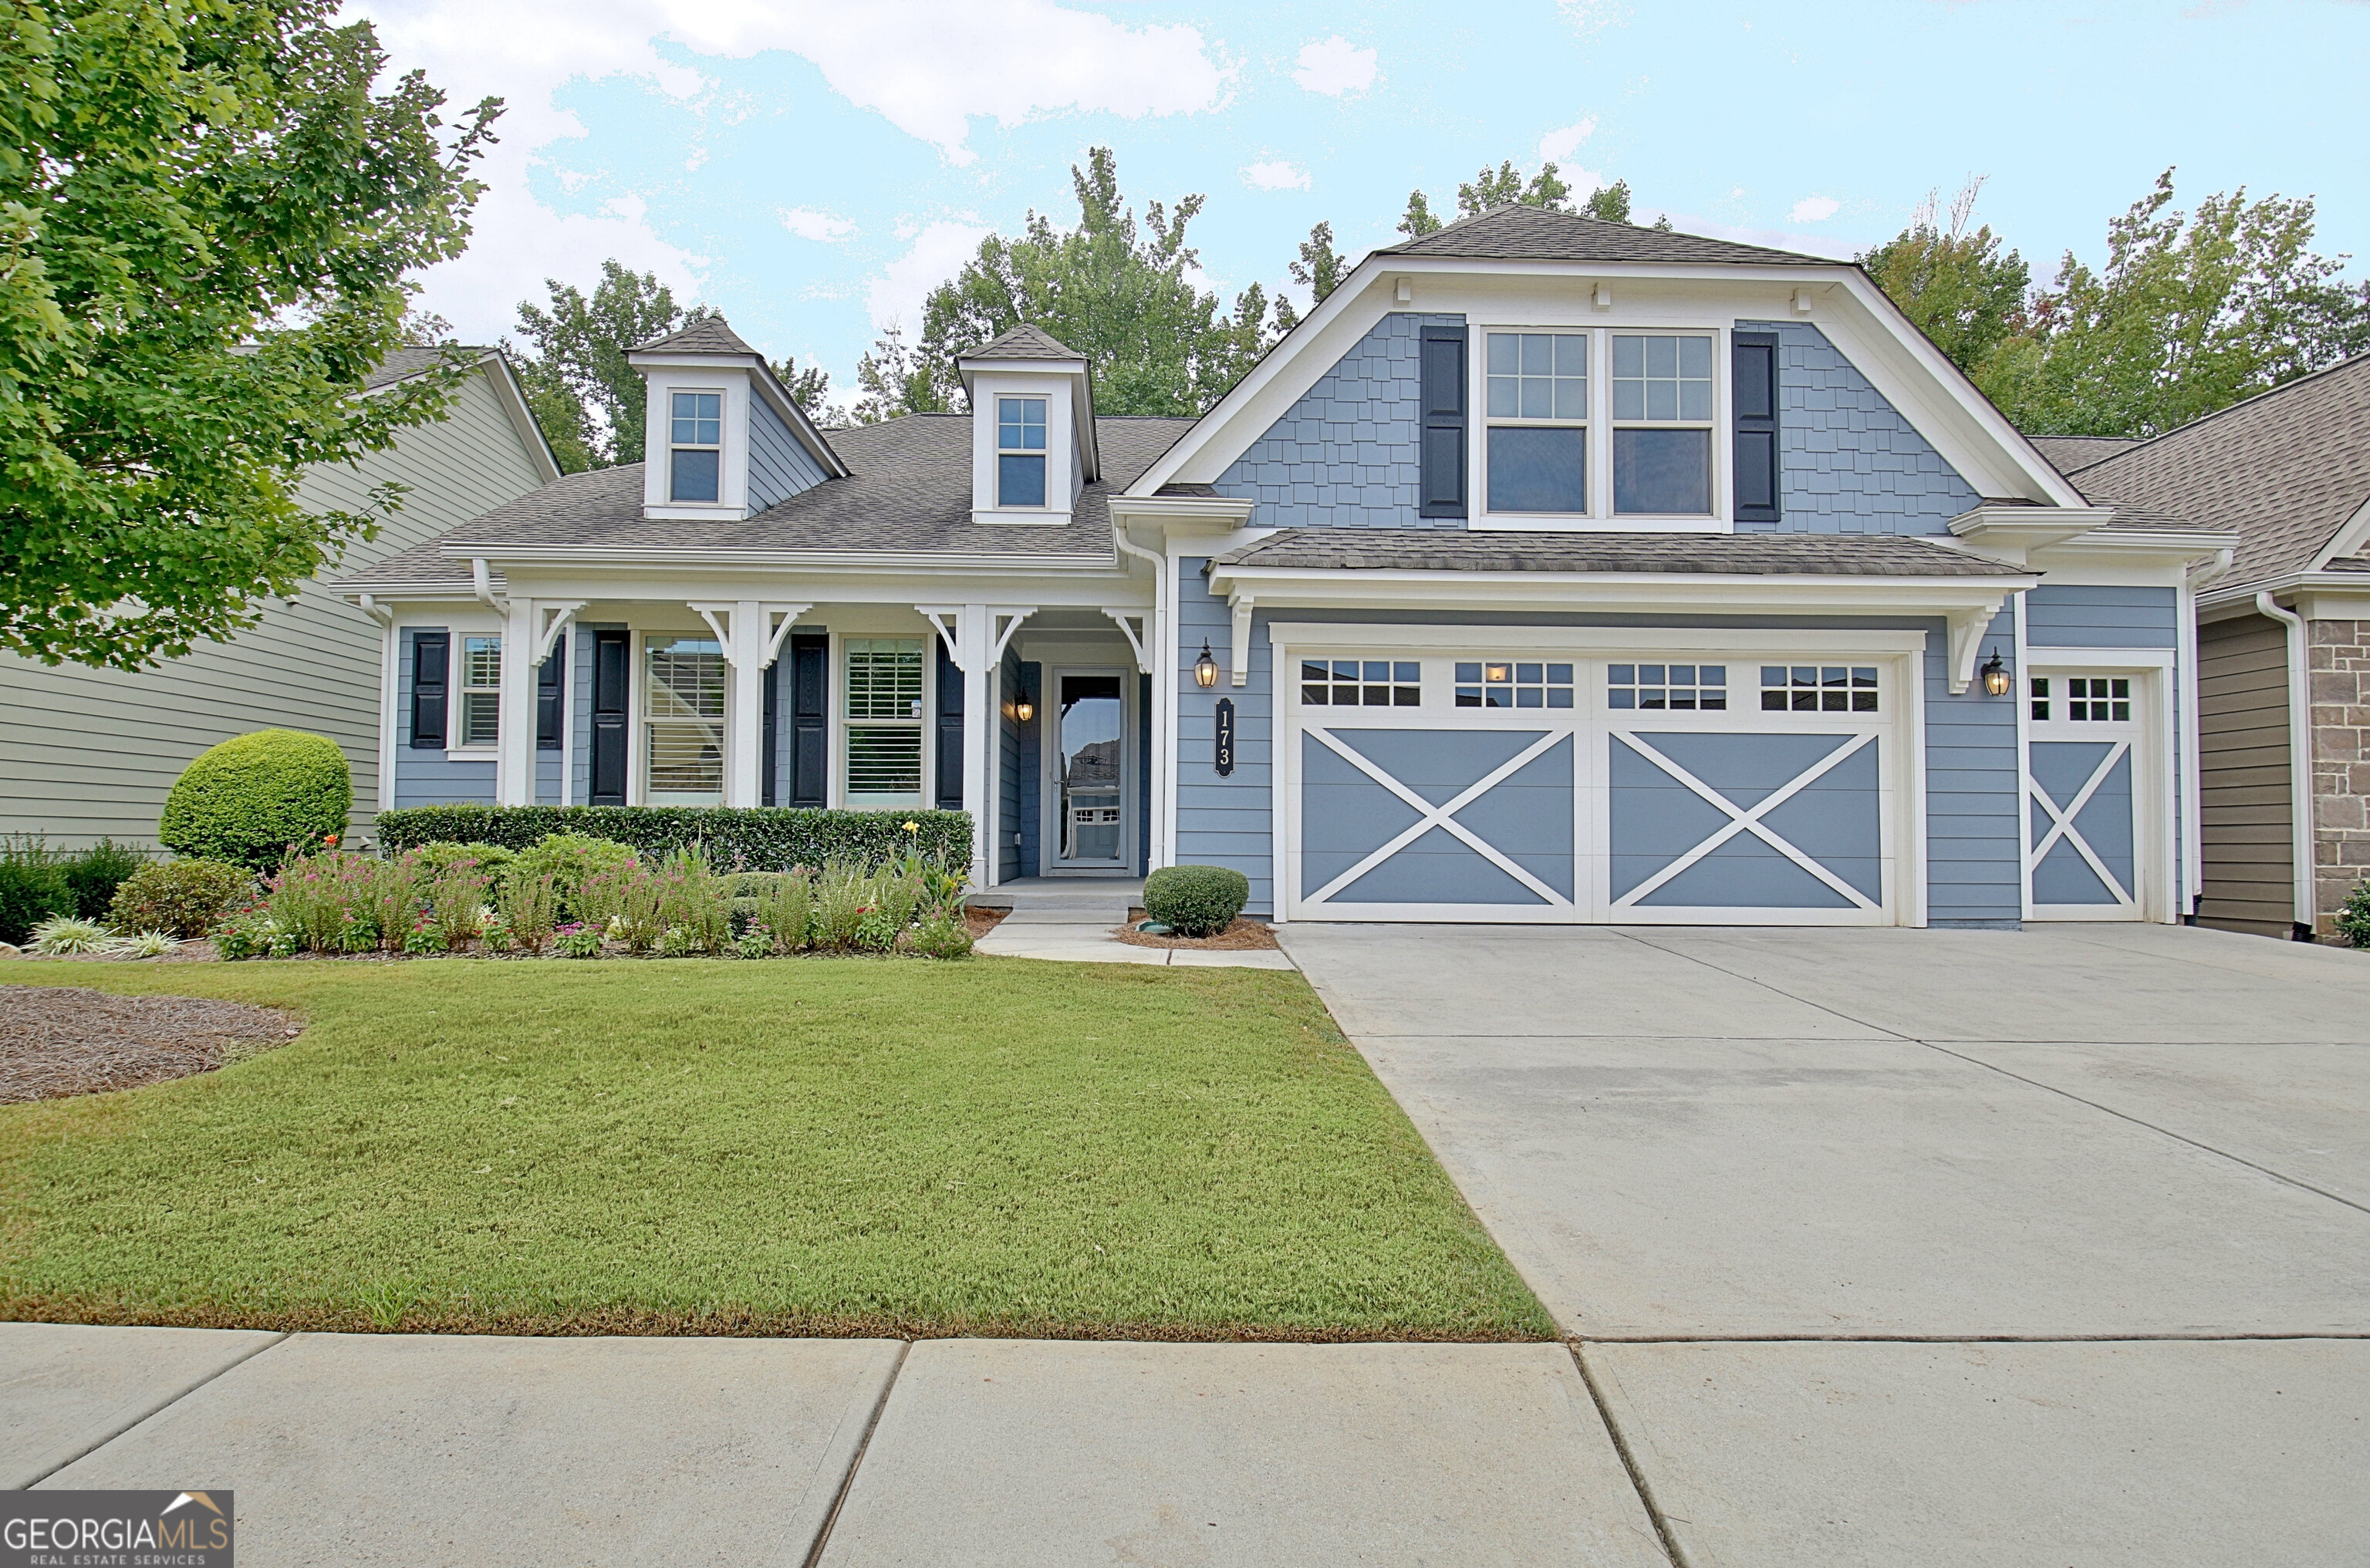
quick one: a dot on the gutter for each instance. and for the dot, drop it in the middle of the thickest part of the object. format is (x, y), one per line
(2300, 835)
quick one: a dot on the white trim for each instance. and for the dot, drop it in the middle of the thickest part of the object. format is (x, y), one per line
(1666, 592)
(2303, 830)
(1049, 759)
(1134, 634)
(2154, 894)
(1595, 640)
(1741, 820)
(389, 681)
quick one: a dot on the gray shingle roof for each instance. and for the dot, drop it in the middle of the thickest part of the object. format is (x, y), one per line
(1515, 233)
(410, 361)
(2069, 453)
(2285, 470)
(1025, 343)
(1737, 554)
(708, 335)
(909, 489)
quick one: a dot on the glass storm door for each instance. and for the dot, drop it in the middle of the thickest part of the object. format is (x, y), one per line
(1090, 771)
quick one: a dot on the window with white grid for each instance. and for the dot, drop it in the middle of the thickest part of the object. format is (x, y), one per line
(481, 695)
(683, 706)
(884, 720)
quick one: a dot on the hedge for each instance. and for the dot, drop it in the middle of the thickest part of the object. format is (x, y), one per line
(743, 838)
(256, 798)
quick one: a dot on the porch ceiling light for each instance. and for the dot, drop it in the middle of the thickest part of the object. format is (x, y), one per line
(1995, 676)
(1205, 669)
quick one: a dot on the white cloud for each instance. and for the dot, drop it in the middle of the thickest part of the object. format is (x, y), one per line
(1558, 146)
(1814, 210)
(1334, 67)
(808, 224)
(1589, 17)
(1276, 176)
(937, 253)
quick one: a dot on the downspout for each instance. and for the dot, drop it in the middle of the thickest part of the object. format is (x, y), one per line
(1163, 690)
(2300, 835)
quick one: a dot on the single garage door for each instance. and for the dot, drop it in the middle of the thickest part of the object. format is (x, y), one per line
(1750, 787)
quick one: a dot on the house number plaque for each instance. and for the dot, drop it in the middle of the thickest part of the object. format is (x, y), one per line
(1225, 751)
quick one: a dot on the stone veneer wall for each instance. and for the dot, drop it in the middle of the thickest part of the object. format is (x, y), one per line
(2340, 695)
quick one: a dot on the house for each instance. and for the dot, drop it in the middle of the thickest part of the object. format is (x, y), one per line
(87, 753)
(1550, 570)
(2283, 640)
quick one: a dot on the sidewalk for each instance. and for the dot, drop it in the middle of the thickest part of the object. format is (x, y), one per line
(1071, 920)
(420, 1449)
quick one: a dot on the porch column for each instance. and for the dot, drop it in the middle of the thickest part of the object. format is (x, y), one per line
(745, 734)
(977, 636)
(514, 744)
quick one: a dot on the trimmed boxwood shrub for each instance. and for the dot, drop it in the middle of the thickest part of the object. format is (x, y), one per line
(568, 859)
(749, 838)
(182, 898)
(256, 798)
(1198, 900)
(96, 873)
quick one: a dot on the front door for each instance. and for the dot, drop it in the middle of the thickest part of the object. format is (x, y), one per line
(1087, 791)
(2087, 853)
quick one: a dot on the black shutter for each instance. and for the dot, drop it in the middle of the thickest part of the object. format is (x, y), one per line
(1754, 358)
(810, 718)
(610, 655)
(550, 712)
(769, 757)
(432, 661)
(951, 730)
(1442, 462)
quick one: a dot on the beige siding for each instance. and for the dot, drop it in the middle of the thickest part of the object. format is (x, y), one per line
(2243, 737)
(86, 752)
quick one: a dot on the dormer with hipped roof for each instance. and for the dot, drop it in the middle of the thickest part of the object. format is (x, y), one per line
(1032, 429)
(724, 437)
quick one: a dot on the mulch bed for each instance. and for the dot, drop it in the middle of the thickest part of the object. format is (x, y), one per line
(981, 922)
(1243, 935)
(62, 1040)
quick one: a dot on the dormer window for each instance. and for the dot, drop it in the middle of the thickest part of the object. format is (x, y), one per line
(1020, 452)
(695, 447)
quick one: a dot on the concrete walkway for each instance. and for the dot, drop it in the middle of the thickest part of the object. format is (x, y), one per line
(487, 1452)
(1070, 918)
(1944, 1248)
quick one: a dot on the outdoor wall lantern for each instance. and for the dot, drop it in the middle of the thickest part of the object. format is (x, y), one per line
(1205, 669)
(1995, 676)
(1023, 710)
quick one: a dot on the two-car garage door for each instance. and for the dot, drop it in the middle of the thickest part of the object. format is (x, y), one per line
(1754, 787)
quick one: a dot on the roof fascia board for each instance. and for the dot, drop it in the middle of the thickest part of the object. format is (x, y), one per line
(1680, 591)
(692, 560)
(2288, 583)
(512, 397)
(2348, 540)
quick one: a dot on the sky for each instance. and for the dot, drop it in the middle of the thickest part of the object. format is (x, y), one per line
(813, 167)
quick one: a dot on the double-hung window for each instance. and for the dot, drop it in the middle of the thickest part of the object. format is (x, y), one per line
(884, 721)
(683, 721)
(1537, 405)
(481, 691)
(1662, 424)
(696, 443)
(1020, 452)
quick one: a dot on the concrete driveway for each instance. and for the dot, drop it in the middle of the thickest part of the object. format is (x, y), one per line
(1931, 1247)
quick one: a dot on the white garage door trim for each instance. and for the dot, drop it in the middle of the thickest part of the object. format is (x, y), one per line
(1325, 743)
(2126, 757)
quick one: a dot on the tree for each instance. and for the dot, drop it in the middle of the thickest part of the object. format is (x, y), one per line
(207, 217)
(1320, 268)
(1418, 220)
(1957, 284)
(579, 381)
(809, 388)
(1116, 292)
(1504, 185)
(2193, 313)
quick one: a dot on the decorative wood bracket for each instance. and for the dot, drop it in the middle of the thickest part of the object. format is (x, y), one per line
(1967, 629)
(561, 615)
(1135, 635)
(1241, 604)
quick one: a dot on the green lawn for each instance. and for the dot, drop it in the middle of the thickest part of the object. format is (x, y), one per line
(815, 1146)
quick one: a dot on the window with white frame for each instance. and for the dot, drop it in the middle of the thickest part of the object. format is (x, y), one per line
(1513, 684)
(1818, 688)
(1020, 452)
(1662, 424)
(2089, 699)
(481, 691)
(884, 721)
(1667, 688)
(683, 707)
(1362, 682)
(696, 442)
(1536, 404)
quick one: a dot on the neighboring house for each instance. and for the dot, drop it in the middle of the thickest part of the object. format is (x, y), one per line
(88, 752)
(1550, 570)
(2284, 640)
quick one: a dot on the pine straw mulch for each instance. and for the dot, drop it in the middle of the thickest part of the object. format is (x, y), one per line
(62, 1040)
(1243, 935)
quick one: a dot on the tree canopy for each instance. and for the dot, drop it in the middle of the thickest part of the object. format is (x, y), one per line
(1119, 292)
(1504, 185)
(2192, 312)
(590, 403)
(207, 216)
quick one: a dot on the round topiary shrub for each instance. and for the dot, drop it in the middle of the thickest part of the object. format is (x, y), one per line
(182, 897)
(1197, 900)
(253, 799)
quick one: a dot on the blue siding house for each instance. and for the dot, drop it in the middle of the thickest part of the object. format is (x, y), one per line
(1550, 570)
